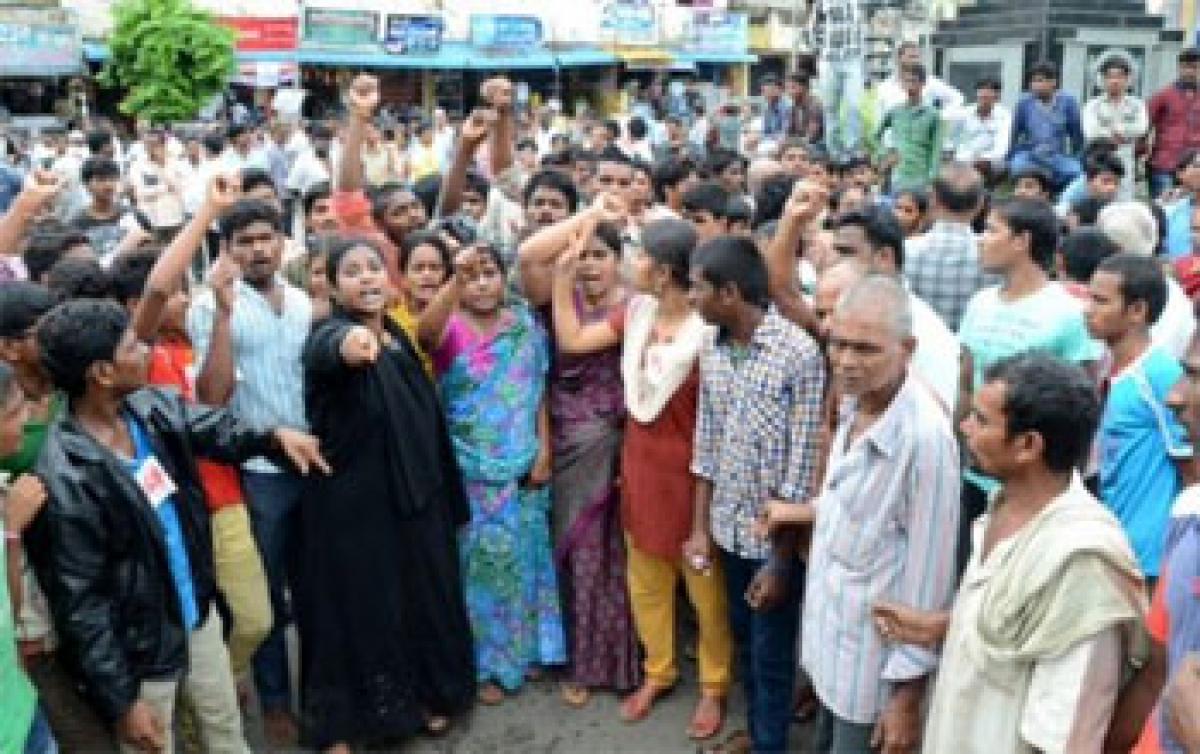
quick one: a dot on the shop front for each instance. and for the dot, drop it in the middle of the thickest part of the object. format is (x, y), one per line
(41, 58)
(266, 58)
(718, 44)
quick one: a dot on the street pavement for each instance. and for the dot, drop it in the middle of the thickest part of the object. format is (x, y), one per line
(536, 721)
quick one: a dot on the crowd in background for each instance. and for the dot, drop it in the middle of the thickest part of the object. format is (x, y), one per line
(904, 400)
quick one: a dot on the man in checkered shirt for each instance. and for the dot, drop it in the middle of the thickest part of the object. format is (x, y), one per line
(942, 266)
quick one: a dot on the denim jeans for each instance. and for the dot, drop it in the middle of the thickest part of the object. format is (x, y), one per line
(1062, 168)
(841, 89)
(766, 651)
(1160, 181)
(40, 739)
(273, 499)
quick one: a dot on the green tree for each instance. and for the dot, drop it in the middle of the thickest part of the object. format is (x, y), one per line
(170, 56)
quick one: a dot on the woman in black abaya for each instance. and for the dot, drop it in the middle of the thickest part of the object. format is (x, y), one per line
(385, 642)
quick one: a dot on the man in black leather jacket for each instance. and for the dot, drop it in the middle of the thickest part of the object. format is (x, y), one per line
(123, 547)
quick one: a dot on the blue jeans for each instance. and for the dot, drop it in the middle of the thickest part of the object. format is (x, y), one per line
(841, 90)
(40, 739)
(766, 651)
(272, 500)
(1160, 181)
(1062, 168)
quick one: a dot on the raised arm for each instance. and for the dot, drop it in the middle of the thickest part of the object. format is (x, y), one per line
(41, 189)
(498, 92)
(570, 334)
(536, 256)
(475, 130)
(173, 264)
(431, 325)
(363, 98)
(800, 214)
(211, 330)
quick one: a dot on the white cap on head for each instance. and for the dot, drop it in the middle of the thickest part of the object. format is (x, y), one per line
(1131, 225)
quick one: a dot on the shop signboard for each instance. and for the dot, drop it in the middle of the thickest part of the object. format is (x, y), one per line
(279, 34)
(413, 34)
(330, 27)
(715, 31)
(511, 33)
(39, 42)
(629, 22)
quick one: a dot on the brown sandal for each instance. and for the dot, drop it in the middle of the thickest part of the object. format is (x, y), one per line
(575, 695)
(737, 742)
(490, 694)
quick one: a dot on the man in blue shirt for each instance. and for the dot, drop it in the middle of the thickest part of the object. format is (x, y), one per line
(1047, 130)
(777, 111)
(1179, 214)
(1139, 440)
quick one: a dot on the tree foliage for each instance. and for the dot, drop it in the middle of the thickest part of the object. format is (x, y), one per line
(170, 56)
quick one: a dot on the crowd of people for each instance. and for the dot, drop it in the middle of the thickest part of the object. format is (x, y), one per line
(914, 427)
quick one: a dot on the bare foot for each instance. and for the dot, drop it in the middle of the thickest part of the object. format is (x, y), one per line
(708, 718)
(637, 705)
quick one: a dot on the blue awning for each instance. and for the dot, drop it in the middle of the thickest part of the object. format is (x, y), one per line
(716, 57)
(584, 57)
(451, 56)
(446, 57)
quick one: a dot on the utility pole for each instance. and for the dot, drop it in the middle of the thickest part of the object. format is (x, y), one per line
(796, 34)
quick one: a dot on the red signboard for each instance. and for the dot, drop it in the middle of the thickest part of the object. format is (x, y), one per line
(265, 34)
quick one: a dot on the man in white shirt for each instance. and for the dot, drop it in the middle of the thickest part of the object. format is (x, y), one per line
(937, 93)
(313, 166)
(158, 182)
(1118, 116)
(980, 133)
(244, 150)
(873, 237)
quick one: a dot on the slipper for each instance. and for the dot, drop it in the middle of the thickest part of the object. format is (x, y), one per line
(637, 705)
(575, 695)
(705, 722)
(436, 725)
(490, 694)
(737, 742)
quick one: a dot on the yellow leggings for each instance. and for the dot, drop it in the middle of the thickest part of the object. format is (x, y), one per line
(652, 581)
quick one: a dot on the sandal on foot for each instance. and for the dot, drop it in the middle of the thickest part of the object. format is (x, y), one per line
(708, 718)
(737, 742)
(575, 695)
(638, 704)
(436, 725)
(490, 694)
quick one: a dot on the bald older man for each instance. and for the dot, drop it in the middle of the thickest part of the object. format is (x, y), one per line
(886, 520)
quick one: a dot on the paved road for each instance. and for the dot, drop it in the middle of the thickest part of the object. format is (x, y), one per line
(536, 721)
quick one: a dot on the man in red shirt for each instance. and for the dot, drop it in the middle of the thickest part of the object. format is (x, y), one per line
(1175, 121)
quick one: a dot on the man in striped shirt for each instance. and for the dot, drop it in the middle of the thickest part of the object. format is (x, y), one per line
(248, 358)
(886, 519)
